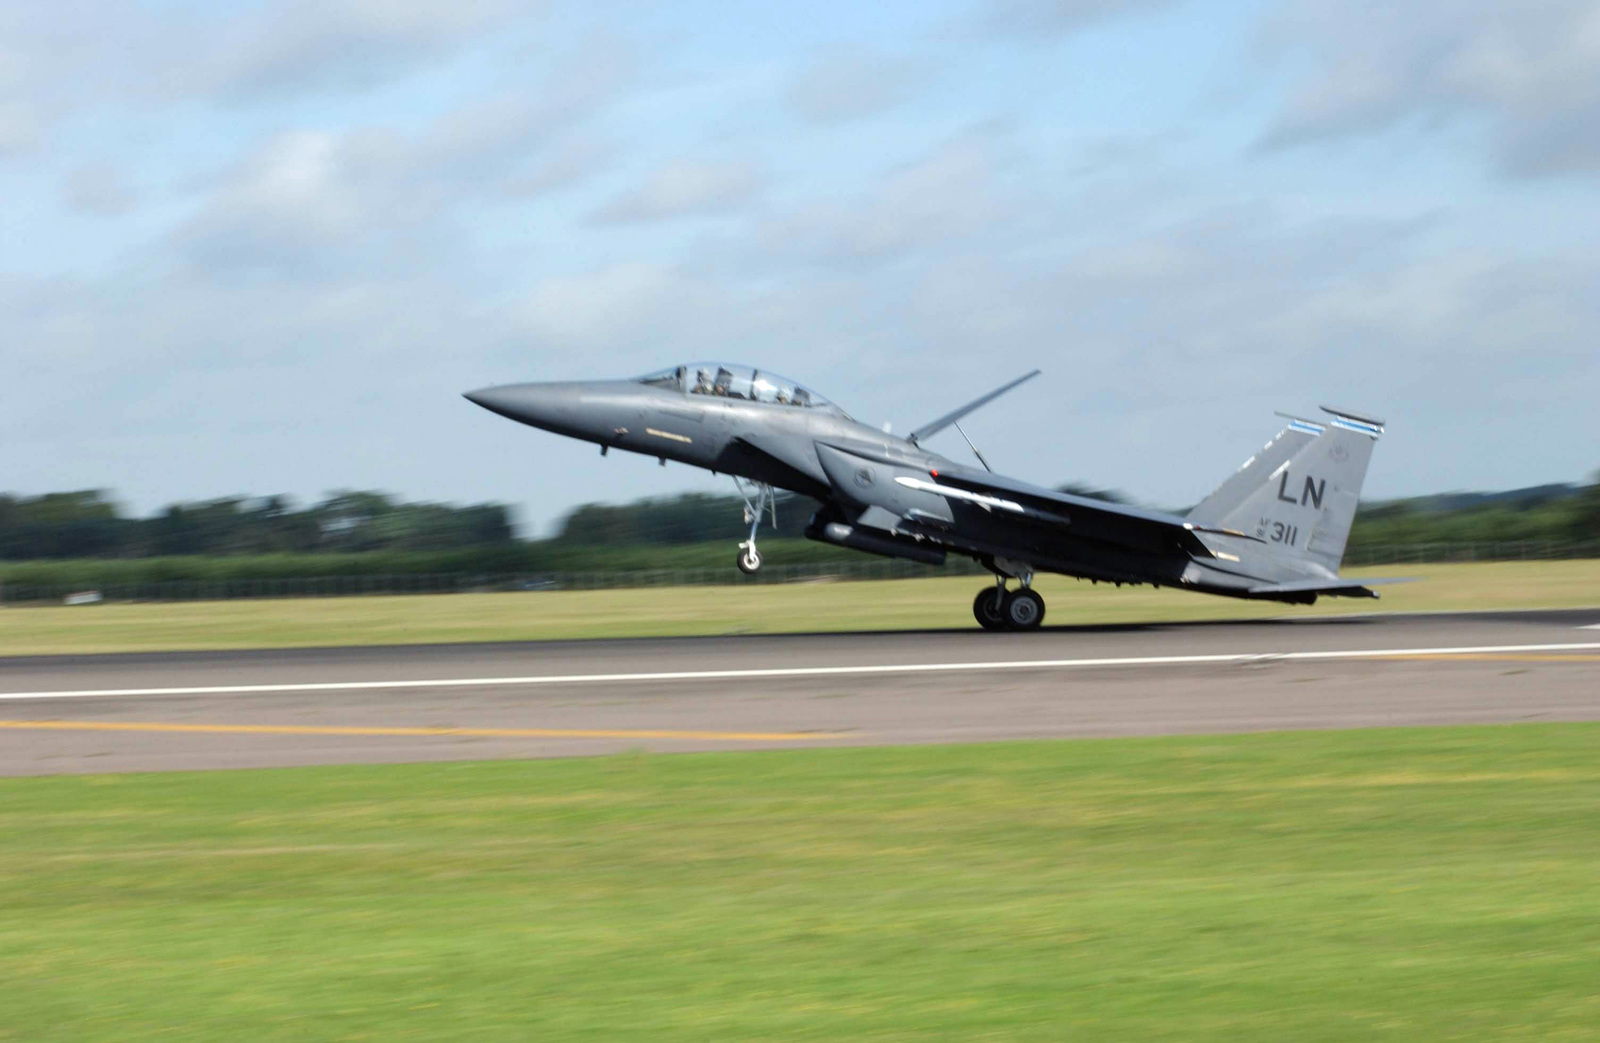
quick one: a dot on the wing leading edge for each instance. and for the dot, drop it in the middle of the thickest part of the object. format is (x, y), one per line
(951, 417)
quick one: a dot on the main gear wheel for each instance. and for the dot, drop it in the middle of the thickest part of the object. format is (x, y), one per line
(1022, 609)
(986, 608)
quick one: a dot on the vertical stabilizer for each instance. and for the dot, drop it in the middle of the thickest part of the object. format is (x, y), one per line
(1208, 513)
(1304, 505)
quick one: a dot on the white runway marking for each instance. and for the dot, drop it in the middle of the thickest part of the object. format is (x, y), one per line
(799, 671)
(1594, 627)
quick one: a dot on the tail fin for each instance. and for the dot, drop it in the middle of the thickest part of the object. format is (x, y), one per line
(1304, 504)
(1208, 513)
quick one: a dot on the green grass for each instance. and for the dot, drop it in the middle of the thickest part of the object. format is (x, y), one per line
(658, 611)
(1405, 884)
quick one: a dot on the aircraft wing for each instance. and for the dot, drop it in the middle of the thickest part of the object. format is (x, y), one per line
(956, 414)
(1123, 525)
(1100, 520)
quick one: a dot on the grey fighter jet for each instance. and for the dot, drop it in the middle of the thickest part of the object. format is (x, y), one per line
(1275, 530)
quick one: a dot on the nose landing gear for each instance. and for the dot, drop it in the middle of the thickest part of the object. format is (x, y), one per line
(758, 500)
(997, 608)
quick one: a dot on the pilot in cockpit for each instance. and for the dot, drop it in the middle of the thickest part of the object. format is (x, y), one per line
(702, 383)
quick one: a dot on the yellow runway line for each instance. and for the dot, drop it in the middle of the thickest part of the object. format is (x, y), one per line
(483, 733)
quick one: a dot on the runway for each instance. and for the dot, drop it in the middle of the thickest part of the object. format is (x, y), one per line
(541, 699)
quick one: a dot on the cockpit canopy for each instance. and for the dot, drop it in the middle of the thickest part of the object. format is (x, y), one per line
(729, 380)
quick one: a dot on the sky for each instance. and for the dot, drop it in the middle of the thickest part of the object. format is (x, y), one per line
(253, 248)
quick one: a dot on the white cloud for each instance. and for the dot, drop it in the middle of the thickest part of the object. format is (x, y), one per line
(97, 189)
(847, 83)
(950, 193)
(568, 162)
(1059, 16)
(1171, 347)
(1530, 72)
(19, 128)
(629, 316)
(69, 55)
(337, 44)
(684, 188)
(302, 197)
(317, 200)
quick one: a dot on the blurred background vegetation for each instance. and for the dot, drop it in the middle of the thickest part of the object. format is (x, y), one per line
(84, 537)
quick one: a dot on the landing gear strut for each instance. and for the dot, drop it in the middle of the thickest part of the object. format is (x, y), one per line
(997, 608)
(759, 499)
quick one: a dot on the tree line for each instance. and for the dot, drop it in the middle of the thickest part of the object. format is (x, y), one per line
(1548, 513)
(89, 524)
(442, 537)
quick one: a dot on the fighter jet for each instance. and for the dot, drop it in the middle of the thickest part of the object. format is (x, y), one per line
(1275, 530)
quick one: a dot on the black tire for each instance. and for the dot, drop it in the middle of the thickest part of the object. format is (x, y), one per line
(749, 561)
(986, 611)
(1023, 610)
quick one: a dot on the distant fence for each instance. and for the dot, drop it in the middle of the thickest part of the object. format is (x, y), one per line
(866, 568)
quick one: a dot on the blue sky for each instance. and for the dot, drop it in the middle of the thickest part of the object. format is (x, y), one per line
(261, 248)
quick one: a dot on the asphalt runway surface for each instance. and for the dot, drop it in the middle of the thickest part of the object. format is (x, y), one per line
(154, 712)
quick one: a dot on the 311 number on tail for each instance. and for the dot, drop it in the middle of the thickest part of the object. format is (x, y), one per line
(1278, 532)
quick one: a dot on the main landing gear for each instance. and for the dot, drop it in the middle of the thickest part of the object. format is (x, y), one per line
(997, 608)
(759, 499)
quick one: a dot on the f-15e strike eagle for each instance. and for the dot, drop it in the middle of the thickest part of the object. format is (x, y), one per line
(1275, 530)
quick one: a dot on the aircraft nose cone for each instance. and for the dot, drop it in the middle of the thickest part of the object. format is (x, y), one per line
(540, 405)
(495, 399)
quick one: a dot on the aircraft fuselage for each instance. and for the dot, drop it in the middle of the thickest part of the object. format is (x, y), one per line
(888, 495)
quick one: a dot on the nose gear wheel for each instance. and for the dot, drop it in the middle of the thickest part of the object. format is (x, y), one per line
(759, 499)
(749, 560)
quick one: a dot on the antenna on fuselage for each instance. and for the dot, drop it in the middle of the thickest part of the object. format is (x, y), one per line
(974, 448)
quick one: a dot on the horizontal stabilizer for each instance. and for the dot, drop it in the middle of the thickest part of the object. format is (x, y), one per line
(1369, 424)
(1332, 587)
(949, 418)
(1301, 424)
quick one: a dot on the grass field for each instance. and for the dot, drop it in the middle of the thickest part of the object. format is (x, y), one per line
(1406, 884)
(943, 602)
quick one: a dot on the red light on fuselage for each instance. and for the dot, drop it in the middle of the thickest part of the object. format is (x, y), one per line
(934, 473)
